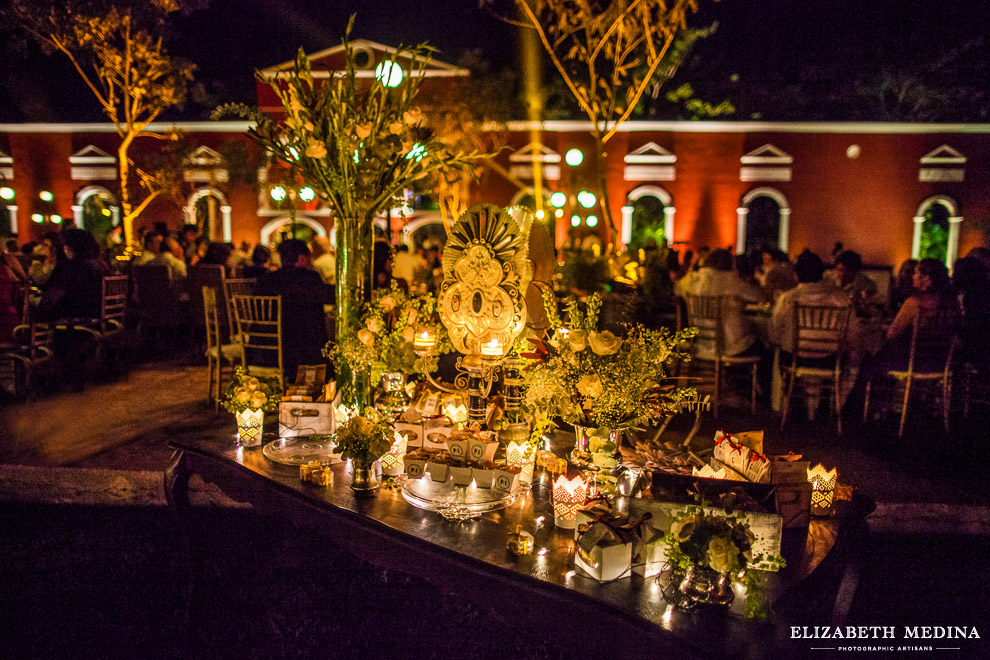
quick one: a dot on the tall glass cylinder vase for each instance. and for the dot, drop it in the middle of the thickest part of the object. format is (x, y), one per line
(355, 245)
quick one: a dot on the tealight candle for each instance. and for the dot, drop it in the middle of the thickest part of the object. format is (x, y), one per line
(425, 340)
(492, 349)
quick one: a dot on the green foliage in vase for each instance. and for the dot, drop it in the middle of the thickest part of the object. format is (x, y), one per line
(384, 341)
(360, 143)
(722, 542)
(597, 379)
(246, 392)
(364, 438)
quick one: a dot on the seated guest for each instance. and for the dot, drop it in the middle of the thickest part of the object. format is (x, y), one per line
(811, 290)
(75, 288)
(189, 239)
(12, 277)
(745, 269)
(970, 281)
(260, 261)
(381, 268)
(850, 277)
(904, 283)
(152, 248)
(304, 293)
(239, 256)
(778, 273)
(324, 261)
(716, 278)
(44, 257)
(171, 257)
(218, 254)
(932, 294)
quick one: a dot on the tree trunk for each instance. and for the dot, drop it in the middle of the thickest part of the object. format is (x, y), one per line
(600, 167)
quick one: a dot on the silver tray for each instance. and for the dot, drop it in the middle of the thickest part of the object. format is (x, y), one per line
(456, 502)
(300, 450)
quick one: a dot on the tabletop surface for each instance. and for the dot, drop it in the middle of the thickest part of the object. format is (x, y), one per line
(484, 539)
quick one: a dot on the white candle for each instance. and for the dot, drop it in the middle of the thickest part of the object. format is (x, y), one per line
(492, 348)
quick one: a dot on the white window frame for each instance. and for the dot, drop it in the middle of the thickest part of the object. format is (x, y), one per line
(783, 232)
(952, 249)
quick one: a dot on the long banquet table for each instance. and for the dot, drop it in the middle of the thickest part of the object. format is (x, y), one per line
(470, 558)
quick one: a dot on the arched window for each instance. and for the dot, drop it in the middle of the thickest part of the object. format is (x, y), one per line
(763, 221)
(425, 229)
(648, 214)
(207, 208)
(96, 210)
(278, 229)
(936, 230)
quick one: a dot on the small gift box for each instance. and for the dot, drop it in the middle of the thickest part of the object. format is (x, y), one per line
(792, 490)
(316, 473)
(415, 467)
(507, 478)
(438, 471)
(652, 555)
(462, 475)
(484, 475)
(482, 450)
(413, 432)
(606, 544)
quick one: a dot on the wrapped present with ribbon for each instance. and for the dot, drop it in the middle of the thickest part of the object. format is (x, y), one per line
(606, 544)
(551, 462)
(316, 473)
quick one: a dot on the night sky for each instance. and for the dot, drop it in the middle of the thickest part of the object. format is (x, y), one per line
(764, 53)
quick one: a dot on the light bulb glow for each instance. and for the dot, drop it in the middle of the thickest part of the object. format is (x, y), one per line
(417, 152)
(46, 196)
(37, 217)
(592, 221)
(559, 213)
(575, 221)
(558, 199)
(540, 214)
(388, 73)
(6, 193)
(574, 157)
(278, 193)
(56, 218)
(586, 199)
(307, 194)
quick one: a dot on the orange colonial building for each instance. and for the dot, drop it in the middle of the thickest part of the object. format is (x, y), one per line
(889, 191)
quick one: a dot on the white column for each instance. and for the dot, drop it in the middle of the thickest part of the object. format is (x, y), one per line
(77, 214)
(190, 212)
(668, 224)
(115, 213)
(916, 238)
(12, 210)
(627, 217)
(952, 250)
(225, 213)
(741, 214)
(784, 232)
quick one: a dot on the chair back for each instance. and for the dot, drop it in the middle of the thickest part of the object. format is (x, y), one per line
(113, 305)
(933, 340)
(211, 321)
(819, 330)
(705, 313)
(243, 286)
(40, 336)
(211, 275)
(153, 295)
(258, 320)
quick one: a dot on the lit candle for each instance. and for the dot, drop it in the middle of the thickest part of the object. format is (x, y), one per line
(425, 340)
(822, 489)
(568, 497)
(492, 349)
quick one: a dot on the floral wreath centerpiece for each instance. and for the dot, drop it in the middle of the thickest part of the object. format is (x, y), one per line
(599, 382)
(249, 398)
(708, 551)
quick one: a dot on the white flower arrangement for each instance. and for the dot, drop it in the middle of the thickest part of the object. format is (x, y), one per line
(250, 393)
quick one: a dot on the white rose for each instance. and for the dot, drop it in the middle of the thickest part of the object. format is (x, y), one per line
(258, 399)
(578, 340)
(253, 384)
(316, 149)
(373, 325)
(413, 116)
(242, 395)
(412, 316)
(590, 385)
(387, 304)
(720, 555)
(365, 337)
(604, 343)
(362, 130)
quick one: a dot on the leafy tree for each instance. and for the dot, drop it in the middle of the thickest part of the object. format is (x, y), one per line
(119, 54)
(609, 55)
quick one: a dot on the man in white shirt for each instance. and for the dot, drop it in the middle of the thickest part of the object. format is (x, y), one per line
(716, 277)
(324, 259)
(812, 289)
